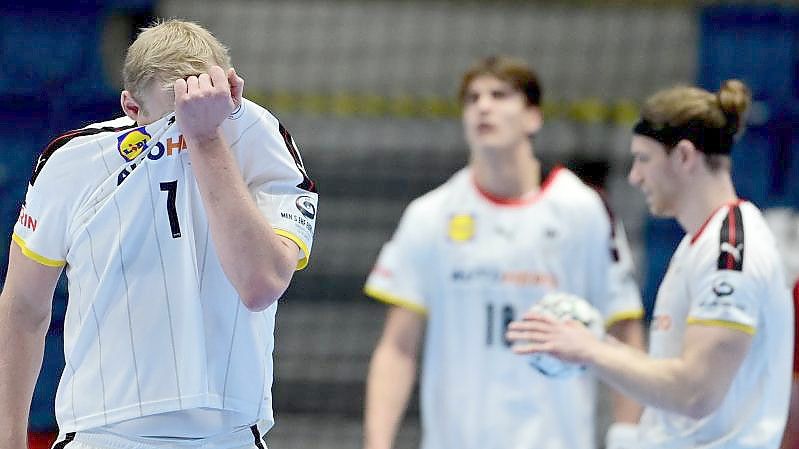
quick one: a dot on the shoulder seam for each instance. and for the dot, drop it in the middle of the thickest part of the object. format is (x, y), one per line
(63, 139)
(307, 184)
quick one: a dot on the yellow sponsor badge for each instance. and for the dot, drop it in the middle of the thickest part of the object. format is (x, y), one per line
(461, 227)
(133, 143)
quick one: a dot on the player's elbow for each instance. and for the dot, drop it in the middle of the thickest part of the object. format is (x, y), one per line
(702, 404)
(257, 301)
(262, 292)
(261, 284)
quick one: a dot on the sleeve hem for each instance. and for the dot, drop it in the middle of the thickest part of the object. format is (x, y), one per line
(306, 253)
(35, 256)
(624, 316)
(394, 300)
(745, 328)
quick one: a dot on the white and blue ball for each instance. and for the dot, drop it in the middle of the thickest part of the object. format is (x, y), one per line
(565, 306)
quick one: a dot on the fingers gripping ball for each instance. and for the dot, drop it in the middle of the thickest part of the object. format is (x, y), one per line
(565, 306)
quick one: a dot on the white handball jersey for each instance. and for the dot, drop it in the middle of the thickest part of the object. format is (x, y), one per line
(153, 325)
(472, 264)
(729, 274)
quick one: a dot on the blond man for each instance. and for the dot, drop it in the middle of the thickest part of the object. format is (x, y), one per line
(180, 225)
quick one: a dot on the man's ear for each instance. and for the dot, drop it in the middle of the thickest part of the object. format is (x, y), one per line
(687, 155)
(130, 106)
(534, 120)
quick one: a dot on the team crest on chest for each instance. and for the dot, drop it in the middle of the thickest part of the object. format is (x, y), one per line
(132, 143)
(461, 228)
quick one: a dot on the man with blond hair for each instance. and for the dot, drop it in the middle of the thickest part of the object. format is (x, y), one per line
(179, 225)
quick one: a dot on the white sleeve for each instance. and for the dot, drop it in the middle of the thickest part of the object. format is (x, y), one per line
(275, 175)
(41, 228)
(397, 275)
(724, 297)
(614, 290)
(625, 296)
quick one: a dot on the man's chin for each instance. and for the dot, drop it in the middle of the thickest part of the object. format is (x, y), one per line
(490, 145)
(660, 212)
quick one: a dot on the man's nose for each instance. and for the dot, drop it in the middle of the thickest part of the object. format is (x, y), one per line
(484, 102)
(633, 177)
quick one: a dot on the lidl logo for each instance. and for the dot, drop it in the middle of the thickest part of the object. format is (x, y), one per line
(133, 143)
(461, 227)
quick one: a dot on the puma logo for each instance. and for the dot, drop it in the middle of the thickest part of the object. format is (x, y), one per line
(734, 251)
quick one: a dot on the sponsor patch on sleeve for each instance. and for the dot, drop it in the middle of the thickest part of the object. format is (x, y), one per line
(726, 300)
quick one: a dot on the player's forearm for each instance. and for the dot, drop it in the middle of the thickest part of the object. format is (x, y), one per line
(22, 332)
(388, 390)
(252, 256)
(631, 333)
(667, 384)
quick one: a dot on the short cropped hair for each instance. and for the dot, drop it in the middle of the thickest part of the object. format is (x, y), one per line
(168, 50)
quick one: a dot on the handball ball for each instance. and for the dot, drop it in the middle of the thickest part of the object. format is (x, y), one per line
(565, 306)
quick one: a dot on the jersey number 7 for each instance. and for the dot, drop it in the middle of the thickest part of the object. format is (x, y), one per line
(171, 188)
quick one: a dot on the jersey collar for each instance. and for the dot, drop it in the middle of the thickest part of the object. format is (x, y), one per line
(713, 214)
(524, 200)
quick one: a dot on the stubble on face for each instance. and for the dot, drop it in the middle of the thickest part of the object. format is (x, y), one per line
(654, 176)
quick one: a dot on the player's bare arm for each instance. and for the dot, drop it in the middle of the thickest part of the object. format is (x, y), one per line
(693, 384)
(631, 333)
(258, 262)
(25, 306)
(392, 374)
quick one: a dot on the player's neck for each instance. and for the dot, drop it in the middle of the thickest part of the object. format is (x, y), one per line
(705, 198)
(511, 175)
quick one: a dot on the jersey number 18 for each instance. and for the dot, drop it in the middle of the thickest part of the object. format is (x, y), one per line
(506, 314)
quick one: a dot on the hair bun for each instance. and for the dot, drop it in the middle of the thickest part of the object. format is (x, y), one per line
(734, 99)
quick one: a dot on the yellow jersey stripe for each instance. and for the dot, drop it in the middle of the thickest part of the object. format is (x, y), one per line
(623, 316)
(302, 263)
(721, 323)
(395, 300)
(35, 256)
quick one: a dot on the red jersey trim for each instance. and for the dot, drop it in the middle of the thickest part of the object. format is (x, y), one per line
(523, 201)
(734, 203)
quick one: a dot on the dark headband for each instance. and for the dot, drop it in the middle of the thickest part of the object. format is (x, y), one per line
(707, 140)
